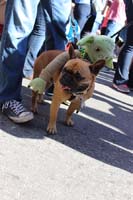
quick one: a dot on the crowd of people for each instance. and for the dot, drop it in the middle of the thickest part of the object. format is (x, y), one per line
(31, 27)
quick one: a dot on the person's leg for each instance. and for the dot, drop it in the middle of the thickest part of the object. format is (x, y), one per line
(57, 14)
(97, 23)
(95, 27)
(112, 27)
(19, 21)
(130, 81)
(81, 13)
(124, 60)
(35, 43)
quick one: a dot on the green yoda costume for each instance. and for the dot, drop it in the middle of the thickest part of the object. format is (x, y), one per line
(93, 47)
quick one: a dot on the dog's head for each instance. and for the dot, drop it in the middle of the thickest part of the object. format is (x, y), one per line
(78, 76)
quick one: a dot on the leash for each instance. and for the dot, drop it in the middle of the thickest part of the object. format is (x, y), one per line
(118, 32)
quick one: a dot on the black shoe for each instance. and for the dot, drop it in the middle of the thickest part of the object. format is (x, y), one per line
(15, 111)
(105, 69)
(131, 88)
(49, 91)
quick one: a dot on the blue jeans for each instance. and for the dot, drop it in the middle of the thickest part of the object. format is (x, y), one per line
(35, 42)
(81, 13)
(97, 23)
(123, 72)
(113, 27)
(57, 15)
(19, 23)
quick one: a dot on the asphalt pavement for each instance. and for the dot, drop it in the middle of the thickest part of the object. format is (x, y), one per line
(91, 161)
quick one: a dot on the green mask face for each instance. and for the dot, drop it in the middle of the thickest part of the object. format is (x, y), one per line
(98, 47)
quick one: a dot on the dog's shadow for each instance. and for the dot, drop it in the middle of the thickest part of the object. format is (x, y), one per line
(105, 137)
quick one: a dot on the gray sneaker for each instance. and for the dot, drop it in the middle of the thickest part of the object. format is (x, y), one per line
(15, 111)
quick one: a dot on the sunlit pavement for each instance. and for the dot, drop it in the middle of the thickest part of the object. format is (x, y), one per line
(91, 161)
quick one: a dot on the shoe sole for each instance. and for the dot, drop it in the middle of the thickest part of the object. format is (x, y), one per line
(49, 94)
(22, 119)
(116, 88)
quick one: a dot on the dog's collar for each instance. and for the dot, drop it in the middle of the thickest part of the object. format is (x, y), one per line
(72, 97)
(78, 94)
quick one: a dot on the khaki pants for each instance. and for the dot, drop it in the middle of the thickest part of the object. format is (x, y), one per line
(2, 10)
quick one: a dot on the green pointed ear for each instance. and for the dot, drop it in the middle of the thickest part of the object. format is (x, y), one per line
(85, 40)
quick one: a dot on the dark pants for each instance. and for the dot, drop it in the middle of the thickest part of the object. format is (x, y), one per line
(82, 13)
(124, 72)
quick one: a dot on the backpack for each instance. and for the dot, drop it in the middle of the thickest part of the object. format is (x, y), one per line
(73, 33)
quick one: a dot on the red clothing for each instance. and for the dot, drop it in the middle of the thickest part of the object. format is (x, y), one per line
(117, 11)
(1, 28)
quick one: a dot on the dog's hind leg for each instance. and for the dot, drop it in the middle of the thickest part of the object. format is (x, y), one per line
(34, 102)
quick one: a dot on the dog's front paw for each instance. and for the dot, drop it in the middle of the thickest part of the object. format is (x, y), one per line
(51, 129)
(69, 122)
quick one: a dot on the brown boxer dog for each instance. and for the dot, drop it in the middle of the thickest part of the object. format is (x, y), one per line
(47, 64)
(75, 82)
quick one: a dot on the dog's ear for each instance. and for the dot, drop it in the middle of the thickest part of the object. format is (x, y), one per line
(71, 52)
(97, 66)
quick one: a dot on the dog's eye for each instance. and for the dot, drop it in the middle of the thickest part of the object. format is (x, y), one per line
(97, 49)
(78, 76)
(64, 70)
(83, 87)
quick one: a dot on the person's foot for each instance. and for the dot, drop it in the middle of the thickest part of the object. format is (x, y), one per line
(121, 88)
(15, 111)
(49, 91)
(105, 69)
(131, 88)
